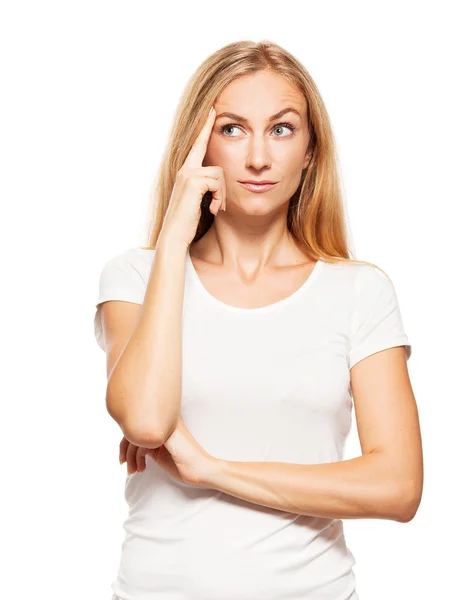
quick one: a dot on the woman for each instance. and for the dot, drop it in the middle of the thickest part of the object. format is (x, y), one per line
(235, 342)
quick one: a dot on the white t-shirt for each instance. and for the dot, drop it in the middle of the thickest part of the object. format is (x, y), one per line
(258, 384)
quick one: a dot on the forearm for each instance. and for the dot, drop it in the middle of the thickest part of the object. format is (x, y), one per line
(145, 386)
(363, 487)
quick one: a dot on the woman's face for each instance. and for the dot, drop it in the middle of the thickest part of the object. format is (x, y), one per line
(256, 147)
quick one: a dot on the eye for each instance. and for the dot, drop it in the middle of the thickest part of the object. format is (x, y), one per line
(283, 125)
(279, 126)
(223, 127)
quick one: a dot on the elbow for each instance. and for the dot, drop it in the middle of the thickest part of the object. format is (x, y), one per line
(137, 432)
(142, 433)
(137, 429)
(143, 436)
(149, 432)
(408, 503)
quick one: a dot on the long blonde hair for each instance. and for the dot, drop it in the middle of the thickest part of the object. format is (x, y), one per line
(315, 216)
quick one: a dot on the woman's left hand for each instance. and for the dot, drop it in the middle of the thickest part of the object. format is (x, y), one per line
(181, 456)
(184, 458)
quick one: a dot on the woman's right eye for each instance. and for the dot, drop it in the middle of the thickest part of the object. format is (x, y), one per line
(223, 127)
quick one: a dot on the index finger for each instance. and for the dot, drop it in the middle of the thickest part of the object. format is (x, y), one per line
(199, 147)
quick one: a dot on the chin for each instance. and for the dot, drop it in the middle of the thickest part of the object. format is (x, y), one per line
(258, 207)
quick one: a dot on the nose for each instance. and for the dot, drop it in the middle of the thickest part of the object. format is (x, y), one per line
(258, 155)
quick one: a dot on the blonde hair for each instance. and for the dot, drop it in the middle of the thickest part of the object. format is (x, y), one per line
(316, 213)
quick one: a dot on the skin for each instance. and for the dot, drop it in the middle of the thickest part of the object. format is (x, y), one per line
(250, 238)
(247, 242)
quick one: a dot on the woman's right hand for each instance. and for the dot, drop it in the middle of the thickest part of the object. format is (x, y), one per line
(134, 456)
(192, 182)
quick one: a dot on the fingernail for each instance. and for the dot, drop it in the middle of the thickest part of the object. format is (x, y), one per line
(211, 111)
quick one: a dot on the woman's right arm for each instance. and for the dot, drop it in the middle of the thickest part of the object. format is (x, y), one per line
(144, 347)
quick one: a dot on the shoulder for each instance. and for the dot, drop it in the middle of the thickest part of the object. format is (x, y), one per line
(372, 294)
(354, 275)
(137, 258)
(125, 274)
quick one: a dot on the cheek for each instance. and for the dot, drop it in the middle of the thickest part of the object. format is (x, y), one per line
(226, 151)
(290, 156)
(222, 155)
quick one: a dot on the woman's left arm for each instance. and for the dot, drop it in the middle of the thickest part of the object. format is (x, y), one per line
(386, 482)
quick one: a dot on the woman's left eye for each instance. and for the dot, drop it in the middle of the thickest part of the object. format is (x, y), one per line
(279, 126)
(290, 127)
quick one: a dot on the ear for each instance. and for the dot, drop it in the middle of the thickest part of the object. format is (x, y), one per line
(307, 159)
(309, 150)
(308, 155)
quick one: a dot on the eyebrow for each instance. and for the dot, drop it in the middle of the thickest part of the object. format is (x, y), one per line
(272, 118)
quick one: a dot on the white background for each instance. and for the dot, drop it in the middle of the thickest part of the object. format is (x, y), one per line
(89, 92)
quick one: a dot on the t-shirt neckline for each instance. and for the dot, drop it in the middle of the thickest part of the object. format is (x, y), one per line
(312, 277)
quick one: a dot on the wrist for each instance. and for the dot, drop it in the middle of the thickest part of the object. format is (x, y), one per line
(213, 472)
(172, 241)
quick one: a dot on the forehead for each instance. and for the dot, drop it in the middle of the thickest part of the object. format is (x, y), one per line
(259, 96)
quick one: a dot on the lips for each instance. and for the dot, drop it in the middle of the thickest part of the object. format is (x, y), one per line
(257, 182)
(258, 187)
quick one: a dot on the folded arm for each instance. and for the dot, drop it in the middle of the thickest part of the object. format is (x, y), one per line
(384, 483)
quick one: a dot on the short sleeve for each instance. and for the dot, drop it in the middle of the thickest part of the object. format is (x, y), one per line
(376, 319)
(121, 278)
